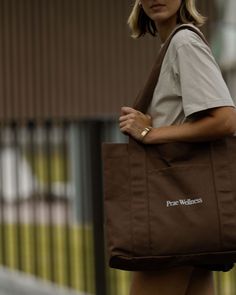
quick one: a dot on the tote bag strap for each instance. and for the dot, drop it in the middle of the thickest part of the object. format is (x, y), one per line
(144, 98)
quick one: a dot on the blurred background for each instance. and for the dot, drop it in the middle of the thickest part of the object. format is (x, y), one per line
(66, 68)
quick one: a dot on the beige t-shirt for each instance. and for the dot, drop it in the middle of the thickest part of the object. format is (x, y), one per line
(190, 81)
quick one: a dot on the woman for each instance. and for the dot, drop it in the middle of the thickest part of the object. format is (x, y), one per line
(190, 103)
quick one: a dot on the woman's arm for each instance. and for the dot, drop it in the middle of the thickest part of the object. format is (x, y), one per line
(216, 123)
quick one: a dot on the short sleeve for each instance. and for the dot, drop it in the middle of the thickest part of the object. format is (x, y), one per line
(201, 83)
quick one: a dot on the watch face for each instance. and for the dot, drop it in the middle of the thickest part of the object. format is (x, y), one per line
(145, 131)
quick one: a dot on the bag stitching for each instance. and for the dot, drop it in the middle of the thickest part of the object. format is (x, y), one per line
(148, 207)
(216, 196)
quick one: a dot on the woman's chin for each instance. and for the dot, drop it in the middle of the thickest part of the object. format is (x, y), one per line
(159, 17)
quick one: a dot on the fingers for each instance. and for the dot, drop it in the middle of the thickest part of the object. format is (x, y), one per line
(127, 127)
(127, 110)
(132, 122)
(126, 121)
(127, 117)
(130, 113)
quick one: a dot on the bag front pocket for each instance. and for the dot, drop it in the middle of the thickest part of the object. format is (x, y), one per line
(183, 210)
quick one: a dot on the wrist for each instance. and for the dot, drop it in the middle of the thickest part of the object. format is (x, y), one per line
(158, 135)
(145, 134)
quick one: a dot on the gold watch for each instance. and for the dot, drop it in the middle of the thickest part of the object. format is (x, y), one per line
(145, 131)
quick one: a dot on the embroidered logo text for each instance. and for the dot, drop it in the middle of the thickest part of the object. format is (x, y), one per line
(184, 202)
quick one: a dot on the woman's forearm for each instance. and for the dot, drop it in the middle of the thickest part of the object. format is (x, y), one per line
(207, 128)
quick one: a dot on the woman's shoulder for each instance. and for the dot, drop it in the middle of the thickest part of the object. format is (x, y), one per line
(186, 37)
(189, 43)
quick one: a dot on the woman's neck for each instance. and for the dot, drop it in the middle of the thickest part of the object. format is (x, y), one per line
(165, 29)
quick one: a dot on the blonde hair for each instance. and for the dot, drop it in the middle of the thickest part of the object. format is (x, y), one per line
(140, 23)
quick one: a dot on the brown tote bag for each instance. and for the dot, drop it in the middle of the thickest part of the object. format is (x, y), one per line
(169, 204)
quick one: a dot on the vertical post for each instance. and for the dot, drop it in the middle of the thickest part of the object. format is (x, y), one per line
(97, 208)
(64, 128)
(79, 157)
(86, 169)
(31, 129)
(18, 233)
(3, 222)
(76, 175)
(48, 126)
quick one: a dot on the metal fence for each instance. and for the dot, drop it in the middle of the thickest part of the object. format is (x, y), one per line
(51, 213)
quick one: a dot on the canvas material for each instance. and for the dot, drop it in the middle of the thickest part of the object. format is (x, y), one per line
(140, 224)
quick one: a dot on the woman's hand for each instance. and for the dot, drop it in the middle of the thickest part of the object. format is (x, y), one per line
(133, 122)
